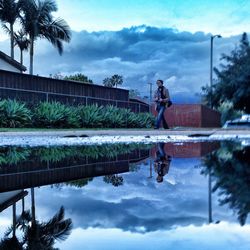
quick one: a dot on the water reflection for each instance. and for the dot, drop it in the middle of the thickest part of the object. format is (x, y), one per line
(229, 167)
(162, 162)
(108, 188)
(36, 234)
(22, 167)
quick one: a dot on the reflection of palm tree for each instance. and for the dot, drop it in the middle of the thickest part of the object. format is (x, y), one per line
(229, 168)
(79, 183)
(36, 235)
(114, 179)
(42, 235)
(10, 244)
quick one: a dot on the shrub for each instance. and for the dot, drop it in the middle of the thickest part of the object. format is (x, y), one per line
(140, 120)
(90, 116)
(55, 115)
(228, 112)
(145, 120)
(115, 117)
(14, 114)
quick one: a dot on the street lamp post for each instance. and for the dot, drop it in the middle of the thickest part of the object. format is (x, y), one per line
(211, 67)
(150, 92)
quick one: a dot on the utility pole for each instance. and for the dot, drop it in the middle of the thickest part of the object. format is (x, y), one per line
(150, 92)
(211, 67)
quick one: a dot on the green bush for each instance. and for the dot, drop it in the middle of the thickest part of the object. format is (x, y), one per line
(115, 117)
(14, 114)
(56, 115)
(145, 120)
(140, 120)
(228, 112)
(90, 116)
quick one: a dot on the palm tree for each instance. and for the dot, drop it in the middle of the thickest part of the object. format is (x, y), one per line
(9, 12)
(38, 22)
(113, 81)
(117, 80)
(22, 42)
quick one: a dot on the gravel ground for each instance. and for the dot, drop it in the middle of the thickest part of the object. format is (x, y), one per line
(93, 137)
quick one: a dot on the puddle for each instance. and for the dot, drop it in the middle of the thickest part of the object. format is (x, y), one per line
(190, 195)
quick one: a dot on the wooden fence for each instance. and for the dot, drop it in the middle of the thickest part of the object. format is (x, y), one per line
(33, 89)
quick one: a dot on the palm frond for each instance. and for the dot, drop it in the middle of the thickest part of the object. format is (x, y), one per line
(6, 29)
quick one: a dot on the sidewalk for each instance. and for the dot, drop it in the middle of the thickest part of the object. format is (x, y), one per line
(194, 132)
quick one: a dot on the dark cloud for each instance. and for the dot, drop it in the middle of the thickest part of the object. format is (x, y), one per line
(135, 214)
(141, 54)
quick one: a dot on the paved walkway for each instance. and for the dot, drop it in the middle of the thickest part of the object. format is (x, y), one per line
(128, 132)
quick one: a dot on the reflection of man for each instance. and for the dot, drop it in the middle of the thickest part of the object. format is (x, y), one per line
(162, 162)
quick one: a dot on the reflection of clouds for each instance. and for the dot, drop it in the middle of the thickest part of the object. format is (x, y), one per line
(206, 237)
(141, 204)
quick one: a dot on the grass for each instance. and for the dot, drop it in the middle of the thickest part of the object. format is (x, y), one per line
(63, 129)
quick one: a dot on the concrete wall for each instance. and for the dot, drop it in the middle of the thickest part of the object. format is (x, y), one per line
(191, 115)
(6, 66)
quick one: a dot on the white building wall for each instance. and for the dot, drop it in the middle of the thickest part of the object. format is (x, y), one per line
(6, 66)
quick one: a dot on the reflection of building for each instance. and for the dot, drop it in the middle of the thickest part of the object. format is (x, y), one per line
(189, 149)
(32, 173)
(10, 198)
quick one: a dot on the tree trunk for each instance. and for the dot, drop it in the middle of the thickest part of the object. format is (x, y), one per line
(11, 41)
(31, 54)
(21, 58)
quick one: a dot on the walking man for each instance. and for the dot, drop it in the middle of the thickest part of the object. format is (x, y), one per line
(161, 98)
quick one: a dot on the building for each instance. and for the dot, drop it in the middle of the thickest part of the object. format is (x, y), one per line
(191, 115)
(9, 64)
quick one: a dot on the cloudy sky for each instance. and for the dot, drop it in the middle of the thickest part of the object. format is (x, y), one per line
(144, 40)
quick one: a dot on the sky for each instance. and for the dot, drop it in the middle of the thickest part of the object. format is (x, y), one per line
(144, 41)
